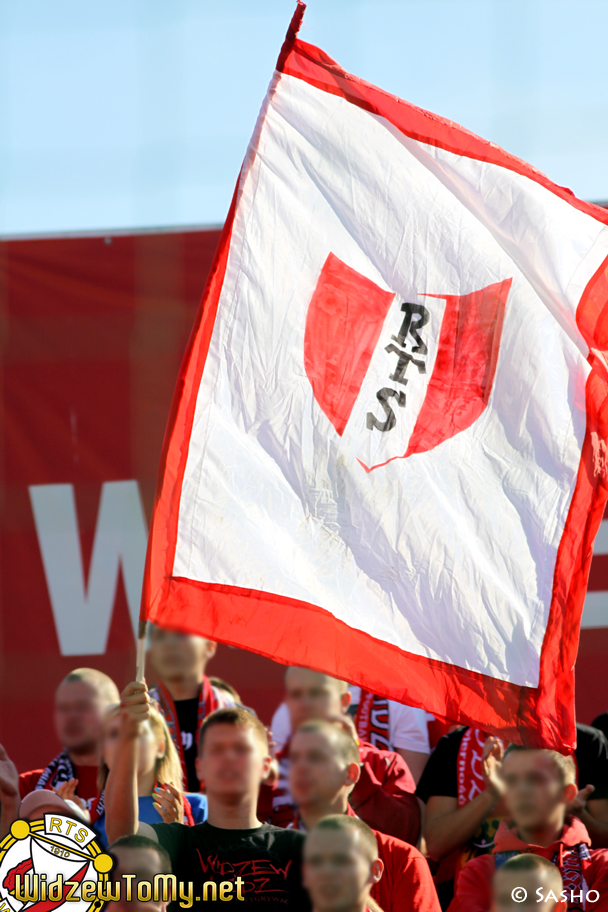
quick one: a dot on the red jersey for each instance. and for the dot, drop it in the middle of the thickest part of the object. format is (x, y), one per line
(406, 884)
(383, 797)
(582, 869)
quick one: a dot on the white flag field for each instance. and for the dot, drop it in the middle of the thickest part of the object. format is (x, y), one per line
(386, 457)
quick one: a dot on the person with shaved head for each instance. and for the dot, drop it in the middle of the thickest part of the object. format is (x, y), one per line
(384, 723)
(384, 794)
(324, 768)
(538, 789)
(341, 865)
(81, 701)
(520, 882)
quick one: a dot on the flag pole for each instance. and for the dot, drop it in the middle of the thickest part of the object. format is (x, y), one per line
(140, 664)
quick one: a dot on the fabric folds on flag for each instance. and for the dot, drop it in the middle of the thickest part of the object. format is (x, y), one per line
(386, 456)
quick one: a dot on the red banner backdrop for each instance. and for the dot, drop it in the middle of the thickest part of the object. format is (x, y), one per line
(92, 331)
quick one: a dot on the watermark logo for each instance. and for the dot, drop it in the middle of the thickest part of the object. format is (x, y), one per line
(48, 863)
(520, 895)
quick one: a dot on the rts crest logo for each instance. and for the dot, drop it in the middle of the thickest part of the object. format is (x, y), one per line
(48, 863)
(396, 377)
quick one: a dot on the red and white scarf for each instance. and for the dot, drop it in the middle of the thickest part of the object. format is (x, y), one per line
(207, 703)
(371, 720)
(470, 784)
(470, 765)
(59, 770)
(570, 862)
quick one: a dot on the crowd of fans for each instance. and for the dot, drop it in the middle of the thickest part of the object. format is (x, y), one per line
(348, 802)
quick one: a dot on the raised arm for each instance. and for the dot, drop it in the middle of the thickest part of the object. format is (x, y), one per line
(121, 806)
(447, 826)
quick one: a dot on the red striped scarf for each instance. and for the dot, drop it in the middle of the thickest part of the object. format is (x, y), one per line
(470, 784)
(371, 720)
(207, 703)
(570, 863)
(59, 770)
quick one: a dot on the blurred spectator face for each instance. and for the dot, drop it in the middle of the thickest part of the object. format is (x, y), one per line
(150, 748)
(79, 713)
(317, 772)
(145, 864)
(338, 872)
(178, 655)
(311, 695)
(535, 794)
(232, 761)
(509, 887)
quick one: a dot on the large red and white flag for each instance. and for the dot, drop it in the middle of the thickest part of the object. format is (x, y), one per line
(386, 457)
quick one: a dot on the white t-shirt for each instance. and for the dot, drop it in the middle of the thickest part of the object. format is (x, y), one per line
(408, 725)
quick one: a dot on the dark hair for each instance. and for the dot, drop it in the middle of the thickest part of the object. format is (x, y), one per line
(142, 842)
(531, 862)
(236, 716)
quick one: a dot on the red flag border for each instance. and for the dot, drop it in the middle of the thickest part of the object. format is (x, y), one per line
(542, 716)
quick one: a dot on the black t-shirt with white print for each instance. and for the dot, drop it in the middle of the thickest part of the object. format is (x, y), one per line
(268, 859)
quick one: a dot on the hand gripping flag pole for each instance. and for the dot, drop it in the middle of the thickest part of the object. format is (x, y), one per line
(387, 452)
(140, 662)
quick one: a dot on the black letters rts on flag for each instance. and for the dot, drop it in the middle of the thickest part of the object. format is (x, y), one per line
(416, 316)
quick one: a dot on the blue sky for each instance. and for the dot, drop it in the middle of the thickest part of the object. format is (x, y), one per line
(137, 113)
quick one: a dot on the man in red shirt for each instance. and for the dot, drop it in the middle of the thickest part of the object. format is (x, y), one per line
(341, 865)
(538, 787)
(461, 788)
(323, 770)
(384, 795)
(81, 701)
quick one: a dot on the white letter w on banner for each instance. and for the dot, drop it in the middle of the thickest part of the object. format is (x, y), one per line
(83, 613)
